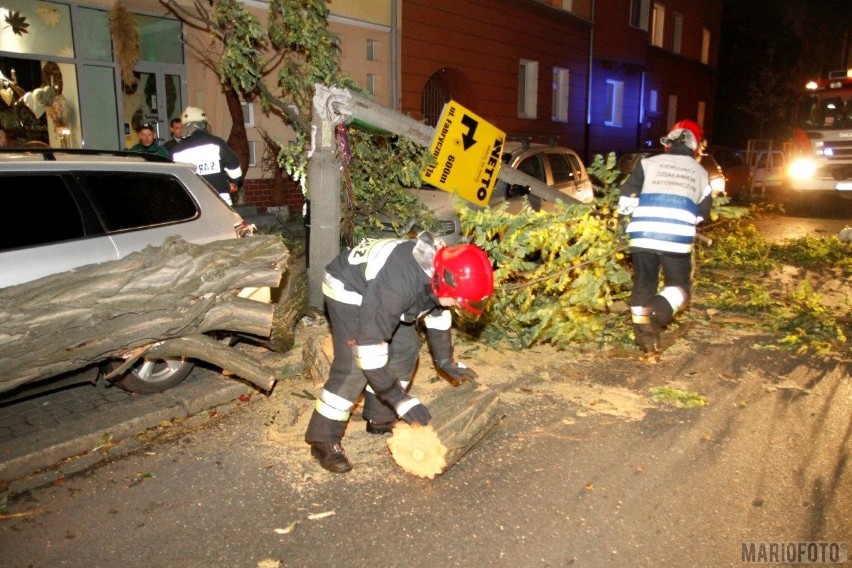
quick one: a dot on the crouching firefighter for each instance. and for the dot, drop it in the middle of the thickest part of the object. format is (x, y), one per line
(664, 200)
(374, 294)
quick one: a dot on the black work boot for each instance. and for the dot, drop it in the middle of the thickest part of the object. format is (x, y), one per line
(647, 337)
(380, 427)
(331, 456)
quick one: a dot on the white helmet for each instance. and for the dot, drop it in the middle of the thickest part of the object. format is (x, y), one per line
(193, 114)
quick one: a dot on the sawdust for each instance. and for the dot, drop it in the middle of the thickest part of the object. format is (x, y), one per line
(516, 376)
(613, 384)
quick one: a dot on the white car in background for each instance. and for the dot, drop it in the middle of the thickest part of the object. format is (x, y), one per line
(558, 167)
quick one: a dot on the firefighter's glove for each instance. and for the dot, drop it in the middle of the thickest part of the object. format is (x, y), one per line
(456, 372)
(412, 411)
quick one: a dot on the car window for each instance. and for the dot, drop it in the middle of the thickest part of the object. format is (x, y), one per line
(728, 158)
(126, 201)
(532, 166)
(42, 197)
(562, 168)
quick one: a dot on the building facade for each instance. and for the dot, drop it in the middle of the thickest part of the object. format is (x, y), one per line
(594, 75)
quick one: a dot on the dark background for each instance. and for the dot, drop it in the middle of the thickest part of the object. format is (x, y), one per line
(769, 50)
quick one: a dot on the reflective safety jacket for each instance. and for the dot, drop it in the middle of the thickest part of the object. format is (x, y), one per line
(212, 157)
(390, 280)
(669, 195)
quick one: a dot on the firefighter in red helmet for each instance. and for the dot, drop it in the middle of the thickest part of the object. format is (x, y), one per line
(374, 294)
(661, 204)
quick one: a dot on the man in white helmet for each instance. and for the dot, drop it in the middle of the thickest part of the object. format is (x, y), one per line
(212, 157)
(664, 199)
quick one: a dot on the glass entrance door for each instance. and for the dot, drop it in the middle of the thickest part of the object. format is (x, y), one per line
(156, 98)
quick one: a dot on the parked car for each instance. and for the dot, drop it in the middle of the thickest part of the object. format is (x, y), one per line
(627, 163)
(769, 170)
(735, 166)
(557, 166)
(70, 208)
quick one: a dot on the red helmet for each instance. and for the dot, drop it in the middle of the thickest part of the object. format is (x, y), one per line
(463, 272)
(687, 131)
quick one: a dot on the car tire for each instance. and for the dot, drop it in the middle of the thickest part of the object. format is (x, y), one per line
(151, 376)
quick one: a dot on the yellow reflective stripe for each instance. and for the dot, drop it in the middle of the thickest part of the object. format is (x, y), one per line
(640, 314)
(664, 246)
(370, 357)
(333, 407)
(675, 296)
(403, 383)
(331, 413)
(406, 405)
(442, 322)
(334, 289)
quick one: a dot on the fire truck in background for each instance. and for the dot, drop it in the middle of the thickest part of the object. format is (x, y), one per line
(821, 149)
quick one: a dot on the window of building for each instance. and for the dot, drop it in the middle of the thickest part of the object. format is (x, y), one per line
(48, 28)
(672, 114)
(677, 35)
(371, 50)
(639, 10)
(435, 94)
(658, 24)
(614, 103)
(371, 83)
(248, 114)
(560, 95)
(160, 39)
(705, 46)
(527, 89)
(252, 148)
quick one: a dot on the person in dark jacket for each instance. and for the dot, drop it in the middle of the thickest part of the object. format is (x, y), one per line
(174, 129)
(212, 157)
(374, 294)
(664, 199)
(148, 142)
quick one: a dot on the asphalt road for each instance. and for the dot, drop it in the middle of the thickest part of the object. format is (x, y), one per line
(768, 460)
(556, 485)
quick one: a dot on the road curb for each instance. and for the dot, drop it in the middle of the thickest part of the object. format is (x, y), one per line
(112, 438)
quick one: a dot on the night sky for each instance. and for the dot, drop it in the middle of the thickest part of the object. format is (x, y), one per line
(769, 49)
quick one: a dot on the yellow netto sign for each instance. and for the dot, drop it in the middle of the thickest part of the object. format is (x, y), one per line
(468, 151)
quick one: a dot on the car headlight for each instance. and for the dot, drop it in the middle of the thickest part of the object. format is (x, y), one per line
(802, 169)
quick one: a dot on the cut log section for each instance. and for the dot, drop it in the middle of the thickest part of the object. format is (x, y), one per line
(461, 418)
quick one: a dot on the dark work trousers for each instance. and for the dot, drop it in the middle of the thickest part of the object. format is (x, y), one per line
(347, 380)
(677, 272)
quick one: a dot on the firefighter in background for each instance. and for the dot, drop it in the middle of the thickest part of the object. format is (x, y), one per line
(212, 157)
(662, 203)
(374, 294)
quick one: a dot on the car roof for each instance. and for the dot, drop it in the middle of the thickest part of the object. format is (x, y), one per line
(19, 155)
(513, 146)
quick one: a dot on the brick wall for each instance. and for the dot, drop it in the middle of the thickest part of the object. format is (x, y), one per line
(262, 194)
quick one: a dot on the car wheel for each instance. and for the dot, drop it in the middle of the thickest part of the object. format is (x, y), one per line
(150, 376)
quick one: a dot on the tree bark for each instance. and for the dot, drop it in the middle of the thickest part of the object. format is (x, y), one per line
(124, 308)
(461, 418)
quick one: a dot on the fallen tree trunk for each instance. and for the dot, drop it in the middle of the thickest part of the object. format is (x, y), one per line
(124, 308)
(461, 418)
